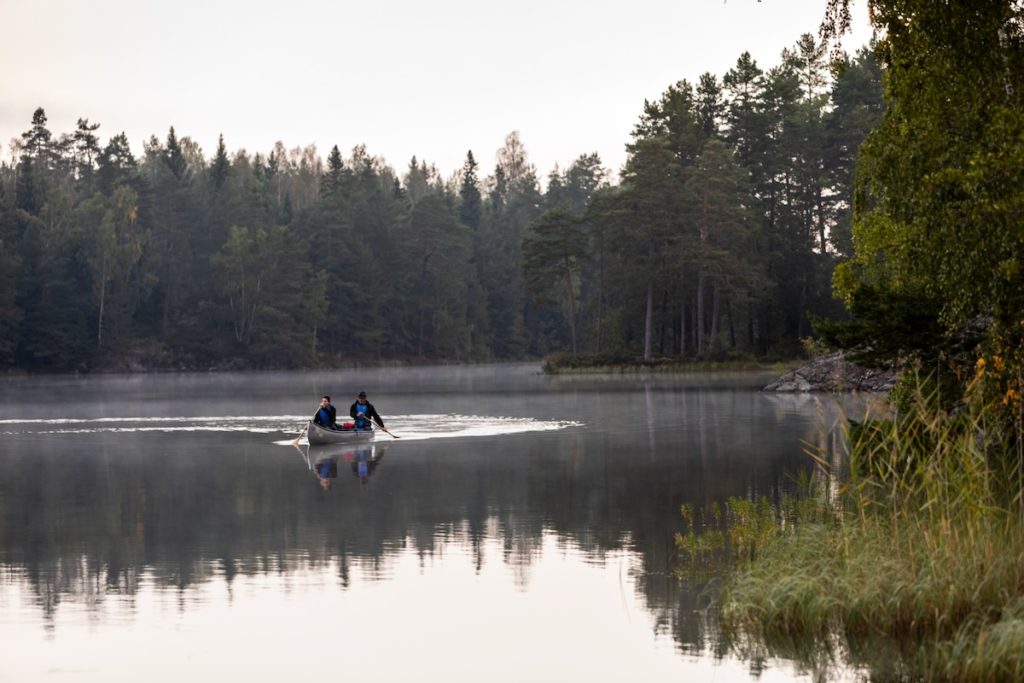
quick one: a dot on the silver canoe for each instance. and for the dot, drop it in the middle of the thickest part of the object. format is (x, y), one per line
(317, 435)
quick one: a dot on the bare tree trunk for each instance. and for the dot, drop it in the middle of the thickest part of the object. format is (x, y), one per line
(732, 323)
(99, 326)
(682, 329)
(419, 334)
(821, 222)
(252, 315)
(716, 315)
(803, 306)
(648, 321)
(693, 323)
(572, 308)
(165, 321)
(750, 323)
(700, 315)
(661, 326)
(600, 301)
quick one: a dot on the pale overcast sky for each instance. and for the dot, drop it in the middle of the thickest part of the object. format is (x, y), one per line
(405, 77)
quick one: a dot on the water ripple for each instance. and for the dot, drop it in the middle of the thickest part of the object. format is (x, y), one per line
(408, 427)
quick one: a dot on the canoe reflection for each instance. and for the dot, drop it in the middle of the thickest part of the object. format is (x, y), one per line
(361, 458)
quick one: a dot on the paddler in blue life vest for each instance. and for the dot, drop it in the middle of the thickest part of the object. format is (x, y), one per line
(326, 415)
(362, 411)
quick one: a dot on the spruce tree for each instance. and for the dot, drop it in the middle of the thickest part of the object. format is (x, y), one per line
(331, 181)
(469, 194)
(220, 167)
(173, 156)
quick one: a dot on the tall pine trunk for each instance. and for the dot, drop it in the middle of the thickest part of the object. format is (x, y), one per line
(661, 325)
(99, 325)
(572, 306)
(700, 315)
(716, 316)
(732, 323)
(682, 330)
(649, 320)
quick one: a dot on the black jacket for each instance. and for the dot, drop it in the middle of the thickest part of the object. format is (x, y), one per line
(334, 417)
(371, 412)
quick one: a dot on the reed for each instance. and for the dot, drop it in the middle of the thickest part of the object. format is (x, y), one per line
(922, 554)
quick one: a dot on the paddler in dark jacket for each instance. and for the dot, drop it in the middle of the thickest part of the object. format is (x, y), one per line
(362, 411)
(326, 415)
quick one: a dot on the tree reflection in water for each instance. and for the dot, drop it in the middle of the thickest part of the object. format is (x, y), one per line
(88, 519)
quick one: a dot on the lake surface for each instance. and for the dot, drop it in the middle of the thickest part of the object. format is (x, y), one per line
(162, 527)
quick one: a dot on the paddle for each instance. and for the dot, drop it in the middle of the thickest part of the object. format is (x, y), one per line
(378, 425)
(387, 432)
(304, 428)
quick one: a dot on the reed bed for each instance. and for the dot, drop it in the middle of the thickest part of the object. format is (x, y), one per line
(916, 567)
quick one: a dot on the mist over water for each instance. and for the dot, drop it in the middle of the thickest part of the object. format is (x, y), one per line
(520, 529)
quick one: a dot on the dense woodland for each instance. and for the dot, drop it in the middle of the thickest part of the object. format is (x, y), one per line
(719, 240)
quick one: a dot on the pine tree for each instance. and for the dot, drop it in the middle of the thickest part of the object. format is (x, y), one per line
(586, 175)
(87, 151)
(553, 250)
(709, 105)
(857, 107)
(116, 163)
(38, 140)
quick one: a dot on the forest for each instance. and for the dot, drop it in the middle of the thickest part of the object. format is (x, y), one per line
(717, 241)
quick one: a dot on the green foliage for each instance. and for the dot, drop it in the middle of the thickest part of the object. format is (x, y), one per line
(710, 248)
(937, 211)
(435, 251)
(857, 108)
(553, 250)
(918, 573)
(887, 327)
(10, 314)
(264, 279)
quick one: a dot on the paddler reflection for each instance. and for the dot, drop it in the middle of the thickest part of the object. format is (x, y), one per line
(326, 469)
(363, 459)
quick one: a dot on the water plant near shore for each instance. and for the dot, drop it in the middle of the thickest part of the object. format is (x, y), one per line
(916, 568)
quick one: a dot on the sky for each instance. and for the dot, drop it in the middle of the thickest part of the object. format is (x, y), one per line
(406, 77)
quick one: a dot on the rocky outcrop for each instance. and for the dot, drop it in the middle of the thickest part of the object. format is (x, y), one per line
(833, 373)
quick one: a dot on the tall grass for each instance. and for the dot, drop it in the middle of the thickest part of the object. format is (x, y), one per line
(917, 567)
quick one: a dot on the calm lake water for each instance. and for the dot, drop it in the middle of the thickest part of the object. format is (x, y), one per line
(162, 528)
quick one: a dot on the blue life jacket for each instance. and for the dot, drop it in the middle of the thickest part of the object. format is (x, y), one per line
(361, 421)
(325, 417)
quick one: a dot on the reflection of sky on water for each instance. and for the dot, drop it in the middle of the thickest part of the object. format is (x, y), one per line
(555, 507)
(434, 617)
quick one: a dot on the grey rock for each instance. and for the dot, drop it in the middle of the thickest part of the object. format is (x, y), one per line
(834, 374)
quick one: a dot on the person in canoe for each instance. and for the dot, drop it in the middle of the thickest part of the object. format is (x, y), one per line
(326, 415)
(362, 411)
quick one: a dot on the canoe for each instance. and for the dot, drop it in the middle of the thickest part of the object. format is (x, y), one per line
(317, 435)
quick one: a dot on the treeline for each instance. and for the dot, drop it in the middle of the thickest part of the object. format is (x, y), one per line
(720, 239)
